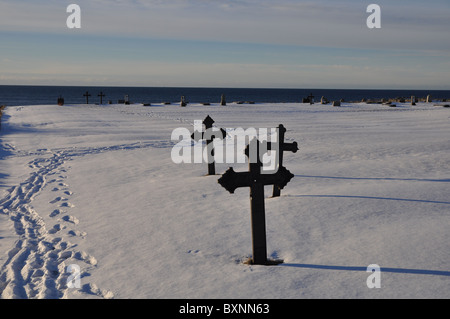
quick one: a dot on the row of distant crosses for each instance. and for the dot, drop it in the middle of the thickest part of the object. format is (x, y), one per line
(87, 95)
(256, 181)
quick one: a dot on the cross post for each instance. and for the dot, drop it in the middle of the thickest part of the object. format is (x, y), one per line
(87, 95)
(209, 135)
(101, 97)
(231, 180)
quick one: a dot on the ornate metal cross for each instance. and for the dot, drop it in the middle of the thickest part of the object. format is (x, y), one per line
(231, 180)
(282, 147)
(209, 135)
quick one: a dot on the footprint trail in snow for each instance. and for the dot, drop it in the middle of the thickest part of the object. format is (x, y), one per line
(37, 266)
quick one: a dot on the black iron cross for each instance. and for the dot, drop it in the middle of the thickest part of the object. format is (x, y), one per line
(231, 180)
(101, 97)
(282, 147)
(87, 95)
(209, 135)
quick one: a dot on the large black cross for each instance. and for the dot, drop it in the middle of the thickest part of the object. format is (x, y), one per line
(209, 135)
(101, 97)
(231, 180)
(87, 95)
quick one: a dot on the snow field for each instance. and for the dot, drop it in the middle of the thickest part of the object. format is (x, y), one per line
(95, 186)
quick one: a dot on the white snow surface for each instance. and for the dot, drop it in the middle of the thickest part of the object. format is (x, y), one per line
(94, 186)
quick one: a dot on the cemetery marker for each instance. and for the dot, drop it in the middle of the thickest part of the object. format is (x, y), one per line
(282, 147)
(223, 102)
(87, 95)
(231, 180)
(101, 97)
(209, 135)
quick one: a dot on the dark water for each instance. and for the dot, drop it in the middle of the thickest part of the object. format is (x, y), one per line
(34, 95)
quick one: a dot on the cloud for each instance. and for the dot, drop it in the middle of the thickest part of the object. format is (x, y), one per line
(149, 73)
(323, 23)
(283, 43)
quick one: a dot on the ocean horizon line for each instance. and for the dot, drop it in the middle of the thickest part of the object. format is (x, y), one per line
(48, 94)
(224, 87)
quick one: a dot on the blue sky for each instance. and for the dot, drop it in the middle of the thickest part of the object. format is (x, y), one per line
(233, 43)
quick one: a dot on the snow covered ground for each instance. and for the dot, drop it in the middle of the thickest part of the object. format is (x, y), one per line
(95, 187)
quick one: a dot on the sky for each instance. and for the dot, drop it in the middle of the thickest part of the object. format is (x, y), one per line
(232, 43)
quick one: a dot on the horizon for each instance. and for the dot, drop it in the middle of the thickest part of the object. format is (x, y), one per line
(222, 87)
(238, 44)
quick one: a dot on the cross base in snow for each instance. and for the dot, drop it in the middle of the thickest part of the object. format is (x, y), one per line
(268, 262)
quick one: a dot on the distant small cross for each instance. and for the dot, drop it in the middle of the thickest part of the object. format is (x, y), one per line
(87, 95)
(101, 97)
(231, 180)
(311, 99)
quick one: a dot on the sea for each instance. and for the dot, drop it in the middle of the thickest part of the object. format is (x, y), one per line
(13, 95)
